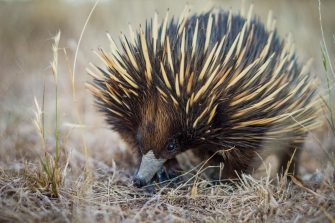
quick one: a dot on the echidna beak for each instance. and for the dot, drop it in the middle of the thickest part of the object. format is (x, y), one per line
(148, 168)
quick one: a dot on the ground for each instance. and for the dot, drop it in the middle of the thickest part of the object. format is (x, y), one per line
(63, 164)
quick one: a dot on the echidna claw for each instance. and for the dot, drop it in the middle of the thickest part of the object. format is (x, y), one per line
(164, 178)
(151, 188)
(168, 177)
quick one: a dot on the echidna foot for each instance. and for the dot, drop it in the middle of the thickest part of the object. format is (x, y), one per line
(168, 177)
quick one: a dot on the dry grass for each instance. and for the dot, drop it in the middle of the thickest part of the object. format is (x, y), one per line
(109, 197)
(60, 163)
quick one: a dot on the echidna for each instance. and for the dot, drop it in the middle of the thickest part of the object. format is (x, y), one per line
(209, 82)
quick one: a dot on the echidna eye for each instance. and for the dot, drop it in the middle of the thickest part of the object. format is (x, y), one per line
(171, 147)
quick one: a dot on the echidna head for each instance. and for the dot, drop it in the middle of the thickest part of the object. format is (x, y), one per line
(159, 137)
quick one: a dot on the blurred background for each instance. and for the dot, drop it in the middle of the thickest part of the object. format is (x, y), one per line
(27, 29)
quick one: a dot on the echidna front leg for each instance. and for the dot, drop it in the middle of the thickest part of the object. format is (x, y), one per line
(169, 174)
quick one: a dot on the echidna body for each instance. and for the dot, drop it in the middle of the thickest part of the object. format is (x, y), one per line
(210, 82)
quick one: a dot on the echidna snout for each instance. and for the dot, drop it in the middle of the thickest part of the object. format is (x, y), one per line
(148, 168)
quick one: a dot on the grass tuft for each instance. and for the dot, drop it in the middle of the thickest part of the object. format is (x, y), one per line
(50, 180)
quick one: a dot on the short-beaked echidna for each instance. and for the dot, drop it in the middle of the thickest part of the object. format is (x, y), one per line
(209, 82)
